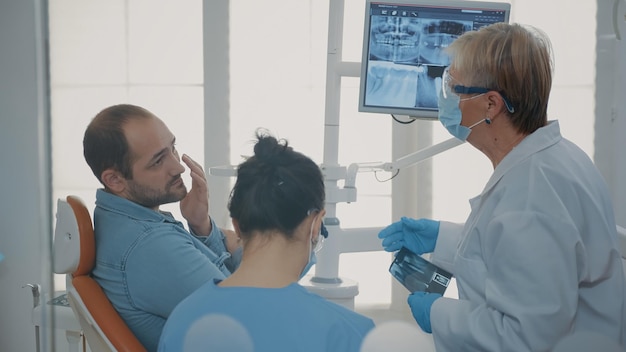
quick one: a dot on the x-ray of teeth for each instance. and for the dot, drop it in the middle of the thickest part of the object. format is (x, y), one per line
(438, 35)
(395, 39)
(406, 60)
(392, 84)
(428, 86)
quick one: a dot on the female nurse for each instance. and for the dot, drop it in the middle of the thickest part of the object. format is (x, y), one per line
(276, 206)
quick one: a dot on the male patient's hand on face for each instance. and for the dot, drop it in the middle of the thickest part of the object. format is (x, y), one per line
(195, 206)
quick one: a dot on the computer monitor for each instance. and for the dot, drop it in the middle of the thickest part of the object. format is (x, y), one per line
(403, 57)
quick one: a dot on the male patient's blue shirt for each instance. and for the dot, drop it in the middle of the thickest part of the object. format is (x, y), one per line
(147, 262)
(275, 319)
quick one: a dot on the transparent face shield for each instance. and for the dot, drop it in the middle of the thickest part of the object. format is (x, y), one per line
(451, 86)
(446, 83)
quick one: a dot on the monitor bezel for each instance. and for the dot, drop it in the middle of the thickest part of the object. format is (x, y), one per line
(413, 113)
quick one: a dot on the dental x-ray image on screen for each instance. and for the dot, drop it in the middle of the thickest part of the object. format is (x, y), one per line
(403, 50)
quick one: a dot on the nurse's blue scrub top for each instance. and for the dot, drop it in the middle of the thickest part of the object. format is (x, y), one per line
(276, 319)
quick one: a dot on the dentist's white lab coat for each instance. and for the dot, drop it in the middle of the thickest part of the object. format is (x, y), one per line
(537, 258)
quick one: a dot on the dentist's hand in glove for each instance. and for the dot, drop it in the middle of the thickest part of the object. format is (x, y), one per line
(420, 303)
(418, 236)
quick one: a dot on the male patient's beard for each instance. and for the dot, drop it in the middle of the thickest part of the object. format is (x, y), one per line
(152, 198)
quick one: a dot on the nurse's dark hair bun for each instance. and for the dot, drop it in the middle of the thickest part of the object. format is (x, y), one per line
(270, 150)
(275, 188)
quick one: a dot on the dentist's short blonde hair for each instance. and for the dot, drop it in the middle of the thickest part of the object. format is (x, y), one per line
(513, 59)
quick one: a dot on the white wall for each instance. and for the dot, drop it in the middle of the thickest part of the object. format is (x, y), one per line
(25, 186)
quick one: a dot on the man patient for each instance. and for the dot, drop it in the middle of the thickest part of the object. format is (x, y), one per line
(146, 260)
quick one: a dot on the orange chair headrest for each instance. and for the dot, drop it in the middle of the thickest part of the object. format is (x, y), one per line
(87, 240)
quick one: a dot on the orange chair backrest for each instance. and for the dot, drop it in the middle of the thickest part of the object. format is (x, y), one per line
(87, 258)
(90, 292)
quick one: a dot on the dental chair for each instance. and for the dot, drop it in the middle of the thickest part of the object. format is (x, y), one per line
(75, 252)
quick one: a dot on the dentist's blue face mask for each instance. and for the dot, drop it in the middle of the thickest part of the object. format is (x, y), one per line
(448, 103)
(450, 115)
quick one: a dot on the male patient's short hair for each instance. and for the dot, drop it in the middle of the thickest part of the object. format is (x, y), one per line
(105, 145)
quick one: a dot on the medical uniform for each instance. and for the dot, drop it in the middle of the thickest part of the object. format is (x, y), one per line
(147, 262)
(537, 259)
(276, 319)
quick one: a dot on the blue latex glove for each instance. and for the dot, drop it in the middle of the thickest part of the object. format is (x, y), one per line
(418, 236)
(420, 303)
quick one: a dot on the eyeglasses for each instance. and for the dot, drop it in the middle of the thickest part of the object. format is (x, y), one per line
(448, 88)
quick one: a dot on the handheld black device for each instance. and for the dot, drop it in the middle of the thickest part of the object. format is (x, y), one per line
(418, 274)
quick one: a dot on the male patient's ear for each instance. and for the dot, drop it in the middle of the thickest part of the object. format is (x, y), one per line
(113, 180)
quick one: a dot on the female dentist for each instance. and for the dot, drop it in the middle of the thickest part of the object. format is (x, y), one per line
(537, 258)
